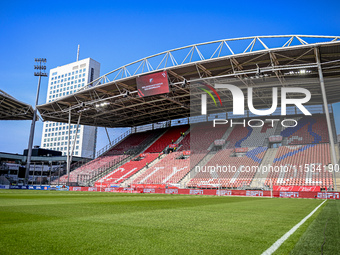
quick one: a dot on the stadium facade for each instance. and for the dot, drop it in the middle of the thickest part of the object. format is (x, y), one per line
(161, 98)
(63, 81)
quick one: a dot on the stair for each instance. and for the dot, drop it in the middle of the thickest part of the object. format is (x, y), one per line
(192, 172)
(154, 140)
(260, 177)
(278, 129)
(182, 137)
(227, 133)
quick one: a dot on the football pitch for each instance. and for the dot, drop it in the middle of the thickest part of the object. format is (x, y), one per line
(53, 222)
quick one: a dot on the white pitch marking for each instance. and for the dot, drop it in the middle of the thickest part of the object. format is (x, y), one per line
(280, 241)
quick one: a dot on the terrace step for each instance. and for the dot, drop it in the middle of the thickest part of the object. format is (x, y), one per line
(191, 174)
(128, 181)
(260, 177)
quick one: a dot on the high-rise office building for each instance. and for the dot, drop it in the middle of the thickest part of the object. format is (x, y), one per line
(63, 81)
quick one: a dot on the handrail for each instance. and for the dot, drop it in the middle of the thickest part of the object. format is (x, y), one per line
(113, 143)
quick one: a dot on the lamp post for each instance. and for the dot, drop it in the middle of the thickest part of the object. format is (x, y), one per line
(41, 71)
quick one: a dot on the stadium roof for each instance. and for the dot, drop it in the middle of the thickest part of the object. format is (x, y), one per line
(260, 62)
(13, 109)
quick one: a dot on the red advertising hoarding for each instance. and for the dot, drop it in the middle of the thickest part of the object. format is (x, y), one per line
(297, 188)
(297, 192)
(275, 138)
(173, 145)
(153, 84)
(243, 149)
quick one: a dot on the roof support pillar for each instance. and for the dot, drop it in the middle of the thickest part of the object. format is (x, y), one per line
(75, 139)
(325, 105)
(68, 148)
(108, 137)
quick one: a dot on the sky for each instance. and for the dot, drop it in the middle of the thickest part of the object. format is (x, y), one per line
(116, 33)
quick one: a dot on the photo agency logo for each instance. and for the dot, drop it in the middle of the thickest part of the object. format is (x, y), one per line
(239, 102)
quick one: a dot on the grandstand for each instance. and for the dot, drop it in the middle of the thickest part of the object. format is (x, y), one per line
(171, 169)
(124, 172)
(314, 159)
(157, 152)
(13, 109)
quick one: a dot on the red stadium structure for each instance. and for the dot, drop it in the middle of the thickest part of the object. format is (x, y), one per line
(170, 143)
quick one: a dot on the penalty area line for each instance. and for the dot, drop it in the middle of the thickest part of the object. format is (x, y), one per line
(280, 241)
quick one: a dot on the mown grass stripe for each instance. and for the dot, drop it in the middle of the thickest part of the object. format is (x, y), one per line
(280, 241)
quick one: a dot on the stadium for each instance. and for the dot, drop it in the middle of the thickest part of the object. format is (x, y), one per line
(245, 124)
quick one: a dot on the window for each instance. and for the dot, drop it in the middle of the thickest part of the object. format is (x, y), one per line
(84, 69)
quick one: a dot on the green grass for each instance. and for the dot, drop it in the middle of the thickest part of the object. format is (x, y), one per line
(325, 228)
(51, 222)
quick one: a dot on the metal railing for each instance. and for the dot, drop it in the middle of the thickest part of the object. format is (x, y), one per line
(85, 179)
(113, 143)
(207, 51)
